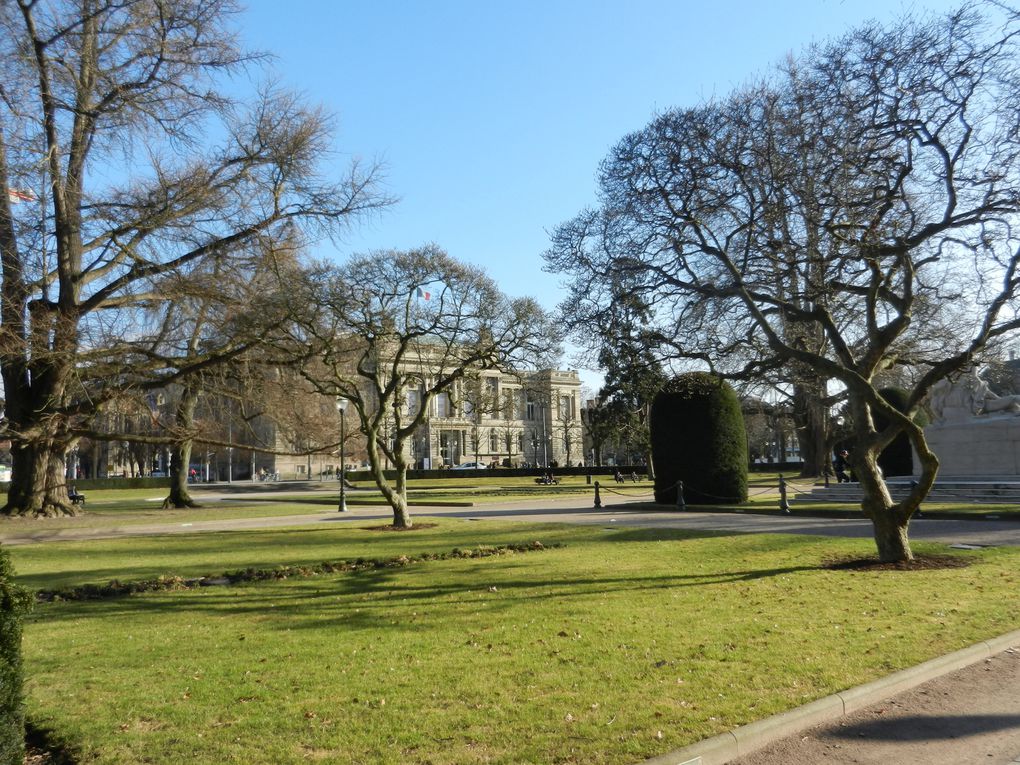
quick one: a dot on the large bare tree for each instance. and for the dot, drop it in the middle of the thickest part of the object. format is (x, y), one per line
(395, 330)
(854, 212)
(132, 163)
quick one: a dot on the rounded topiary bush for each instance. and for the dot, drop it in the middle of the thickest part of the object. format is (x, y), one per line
(698, 437)
(14, 602)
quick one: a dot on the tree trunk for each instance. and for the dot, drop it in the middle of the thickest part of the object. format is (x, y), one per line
(889, 520)
(891, 537)
(38, 483)
(649, 466)
(396, 496)
(811, 421)
(180, 460)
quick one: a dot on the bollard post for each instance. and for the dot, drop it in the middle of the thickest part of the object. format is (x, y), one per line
(784, 506)
(680, 503)
(598, 499)
(913, 485)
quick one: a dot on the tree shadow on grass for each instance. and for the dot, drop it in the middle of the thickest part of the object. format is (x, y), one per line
(339, 600)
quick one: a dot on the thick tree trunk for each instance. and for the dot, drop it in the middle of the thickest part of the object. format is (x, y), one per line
(891, 537)
(812, 426)
(180, 459)
(889, 519)
(396, 496)
(38, 483)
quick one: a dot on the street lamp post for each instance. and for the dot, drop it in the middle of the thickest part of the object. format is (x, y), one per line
(341, 407)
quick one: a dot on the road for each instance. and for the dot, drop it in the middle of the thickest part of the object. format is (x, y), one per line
(617, 512)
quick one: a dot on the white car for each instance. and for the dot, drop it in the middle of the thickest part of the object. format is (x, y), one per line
(470, 466)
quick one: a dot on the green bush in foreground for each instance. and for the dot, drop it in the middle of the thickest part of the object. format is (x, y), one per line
(698, 437)
(14, 602)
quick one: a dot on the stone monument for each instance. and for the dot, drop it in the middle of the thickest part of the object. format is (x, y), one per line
(974, 432)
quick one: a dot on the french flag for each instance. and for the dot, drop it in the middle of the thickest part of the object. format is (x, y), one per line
(419, 292)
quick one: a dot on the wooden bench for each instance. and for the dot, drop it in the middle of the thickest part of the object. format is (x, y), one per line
(76, 498)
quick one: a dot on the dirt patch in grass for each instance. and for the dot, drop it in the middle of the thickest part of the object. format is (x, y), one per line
(391, 527)
(919, 563)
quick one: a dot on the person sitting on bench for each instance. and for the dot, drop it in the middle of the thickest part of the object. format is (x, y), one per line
(75, 497)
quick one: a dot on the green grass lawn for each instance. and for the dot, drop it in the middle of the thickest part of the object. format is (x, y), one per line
(622, 644)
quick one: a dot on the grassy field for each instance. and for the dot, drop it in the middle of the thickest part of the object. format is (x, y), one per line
(621, 644)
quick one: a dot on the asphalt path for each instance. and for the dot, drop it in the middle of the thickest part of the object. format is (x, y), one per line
(618, 511)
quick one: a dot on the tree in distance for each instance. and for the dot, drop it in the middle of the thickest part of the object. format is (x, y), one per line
(393, 331)
(855, 211)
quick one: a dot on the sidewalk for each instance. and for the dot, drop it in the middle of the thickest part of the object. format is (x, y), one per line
(927, 714)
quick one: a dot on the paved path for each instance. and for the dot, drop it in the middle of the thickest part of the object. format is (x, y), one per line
(619, 512)
(967, 717)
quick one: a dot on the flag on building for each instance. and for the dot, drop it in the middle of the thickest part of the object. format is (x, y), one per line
(16, 196)
(419, 292)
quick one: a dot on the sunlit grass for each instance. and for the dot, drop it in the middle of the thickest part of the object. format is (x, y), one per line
(623, 644)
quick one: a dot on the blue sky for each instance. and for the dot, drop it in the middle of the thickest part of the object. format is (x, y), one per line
(492, 117)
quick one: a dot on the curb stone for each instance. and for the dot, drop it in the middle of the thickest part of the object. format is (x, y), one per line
(727, 746)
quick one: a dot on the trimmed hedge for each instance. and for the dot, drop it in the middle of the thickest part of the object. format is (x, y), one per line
(14, 603)
(698, 437)
(501, 472)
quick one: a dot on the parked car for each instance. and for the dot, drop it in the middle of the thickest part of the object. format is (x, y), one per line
(470, 466)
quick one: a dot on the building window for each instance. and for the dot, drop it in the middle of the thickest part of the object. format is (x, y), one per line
(530, 410)
(493, 441)
(566, 408)
(443, 408)
(413, 402)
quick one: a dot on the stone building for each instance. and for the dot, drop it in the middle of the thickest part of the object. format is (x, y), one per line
(501, 419)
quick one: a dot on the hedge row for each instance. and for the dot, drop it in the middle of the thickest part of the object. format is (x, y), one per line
(14, 603)
(501, 472)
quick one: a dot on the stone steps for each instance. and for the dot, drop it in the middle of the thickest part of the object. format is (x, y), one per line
(980, 492)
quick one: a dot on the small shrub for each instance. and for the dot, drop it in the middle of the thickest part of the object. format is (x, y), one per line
(14, 603)
(698, 437)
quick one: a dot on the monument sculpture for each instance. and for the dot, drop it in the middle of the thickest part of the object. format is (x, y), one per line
(974, 432)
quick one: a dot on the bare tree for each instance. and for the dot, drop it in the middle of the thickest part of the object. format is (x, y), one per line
(397, 330)
(105, 106)
(854, 212)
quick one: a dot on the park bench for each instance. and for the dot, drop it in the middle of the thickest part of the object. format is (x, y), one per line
(76, 498)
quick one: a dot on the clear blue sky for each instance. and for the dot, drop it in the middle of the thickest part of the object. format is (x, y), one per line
(492, 117)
